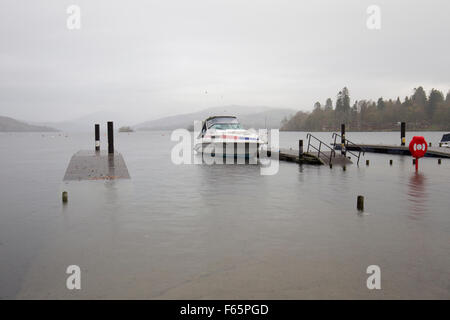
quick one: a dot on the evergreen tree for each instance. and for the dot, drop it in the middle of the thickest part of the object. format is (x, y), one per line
(419, 97)
(380, 104)
(436, 98)
(346, 100)
(329, 104)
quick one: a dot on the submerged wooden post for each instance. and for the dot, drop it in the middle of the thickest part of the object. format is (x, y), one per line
(439, 161)
(65, 197)
(247, 153)
(403, 133)
(367, 162)
(360, 203)
(224, 152)
(110, 137)
(390, 162)
(343, 139)
(97, 137)
(300, 149)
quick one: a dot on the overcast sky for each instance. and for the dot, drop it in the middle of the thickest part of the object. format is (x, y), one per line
(147, 59)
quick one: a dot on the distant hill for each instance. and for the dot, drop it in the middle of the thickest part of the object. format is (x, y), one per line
(250, 117)
(86, 122)
(11, 125)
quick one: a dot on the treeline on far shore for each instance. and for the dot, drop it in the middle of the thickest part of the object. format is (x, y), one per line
(420, 111)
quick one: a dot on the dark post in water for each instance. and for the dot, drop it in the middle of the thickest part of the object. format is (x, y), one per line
(360, 203)
(97, 137)
(343, 139)
(403, 132)
(300, 148)
(110, 138)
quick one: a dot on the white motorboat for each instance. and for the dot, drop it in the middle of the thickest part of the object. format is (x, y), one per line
(445, 141)
(225, 136)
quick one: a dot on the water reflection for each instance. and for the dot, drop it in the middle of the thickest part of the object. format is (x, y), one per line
(417, 196)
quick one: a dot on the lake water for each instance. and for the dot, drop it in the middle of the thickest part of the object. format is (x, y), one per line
(221, 231)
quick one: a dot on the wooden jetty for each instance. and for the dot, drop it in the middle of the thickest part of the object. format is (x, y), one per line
(436, 152)
(324, 158)
(402, 149)
(317, 153)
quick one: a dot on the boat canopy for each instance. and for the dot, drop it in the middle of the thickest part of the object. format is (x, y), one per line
(446, 137)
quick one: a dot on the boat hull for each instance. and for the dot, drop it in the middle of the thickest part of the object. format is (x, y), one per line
(229, 149)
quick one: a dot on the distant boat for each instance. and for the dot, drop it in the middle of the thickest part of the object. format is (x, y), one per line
(125, 129)
(445, 141)
(220, 130)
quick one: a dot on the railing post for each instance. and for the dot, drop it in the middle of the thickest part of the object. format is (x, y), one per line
(343, 139)
(309, 142)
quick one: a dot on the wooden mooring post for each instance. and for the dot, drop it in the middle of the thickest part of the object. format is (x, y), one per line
(300, 148)
(403, 133)
(97, 137)
(360, 203)
(65, 197)
(110, 137)
(343, 139)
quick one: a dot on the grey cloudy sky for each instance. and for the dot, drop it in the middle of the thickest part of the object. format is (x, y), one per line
(146, 59)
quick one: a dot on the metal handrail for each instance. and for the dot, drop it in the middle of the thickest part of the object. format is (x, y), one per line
(332, 153)
(347, 142)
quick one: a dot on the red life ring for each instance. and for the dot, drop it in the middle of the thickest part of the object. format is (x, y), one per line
(418, 147)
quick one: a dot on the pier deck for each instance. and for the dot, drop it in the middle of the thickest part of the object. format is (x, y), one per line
(291, 155)
(436, 152)
(96, 165)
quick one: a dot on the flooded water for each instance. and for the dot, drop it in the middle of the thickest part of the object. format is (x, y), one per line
(221, 231)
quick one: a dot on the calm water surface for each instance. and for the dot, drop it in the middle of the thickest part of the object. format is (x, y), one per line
(200, 231)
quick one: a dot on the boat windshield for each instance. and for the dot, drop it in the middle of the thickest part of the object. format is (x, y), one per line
(445, 137)
(223, 123)
(226, 126)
